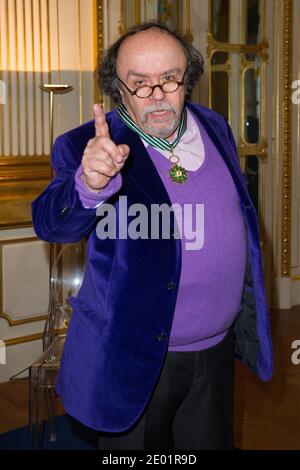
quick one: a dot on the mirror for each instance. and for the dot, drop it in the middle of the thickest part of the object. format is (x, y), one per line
(219, 58)
(252, 26)
(252, 177)
(170, 13)
(220, 20)
(252, 105)
(248, 12)
(219, 92)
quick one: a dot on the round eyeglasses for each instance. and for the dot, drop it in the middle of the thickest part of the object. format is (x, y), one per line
(145, 91)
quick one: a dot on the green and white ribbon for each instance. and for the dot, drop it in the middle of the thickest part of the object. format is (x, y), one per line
(156, 142)
(177, 173)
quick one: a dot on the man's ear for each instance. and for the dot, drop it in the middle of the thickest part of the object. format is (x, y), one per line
(122, 96)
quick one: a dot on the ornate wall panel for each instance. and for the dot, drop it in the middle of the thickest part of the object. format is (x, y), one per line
(24, 280)
(41, 41)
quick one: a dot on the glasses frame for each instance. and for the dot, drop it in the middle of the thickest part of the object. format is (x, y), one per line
(134, 92)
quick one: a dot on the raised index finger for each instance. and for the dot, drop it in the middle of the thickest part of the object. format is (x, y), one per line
(101, 127)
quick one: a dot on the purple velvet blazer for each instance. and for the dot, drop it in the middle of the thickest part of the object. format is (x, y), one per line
(118, 335)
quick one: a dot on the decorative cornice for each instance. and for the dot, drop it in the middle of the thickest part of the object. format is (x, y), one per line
(29, 338)
(287, 140)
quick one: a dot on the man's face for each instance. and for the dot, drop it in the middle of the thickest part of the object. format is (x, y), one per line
(148, 58)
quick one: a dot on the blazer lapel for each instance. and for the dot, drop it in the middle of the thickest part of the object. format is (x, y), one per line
(141, 169)
(139, 166)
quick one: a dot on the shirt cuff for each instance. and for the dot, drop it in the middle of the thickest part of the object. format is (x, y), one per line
(91, 200)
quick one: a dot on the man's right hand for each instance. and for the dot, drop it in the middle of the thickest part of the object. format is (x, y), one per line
(102, 158)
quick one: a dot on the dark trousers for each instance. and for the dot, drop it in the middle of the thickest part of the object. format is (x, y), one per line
(191, 406)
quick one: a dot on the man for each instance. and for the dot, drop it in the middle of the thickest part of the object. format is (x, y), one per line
(149, 354)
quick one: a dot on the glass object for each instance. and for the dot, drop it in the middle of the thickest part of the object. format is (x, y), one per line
(252, 105)
(66, 278)
(219, 93)
(220, 20)
(252, 177)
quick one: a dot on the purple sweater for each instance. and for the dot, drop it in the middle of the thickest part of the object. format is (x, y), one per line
(212, 277)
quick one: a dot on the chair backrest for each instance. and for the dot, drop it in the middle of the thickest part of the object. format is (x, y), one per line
(66, 278)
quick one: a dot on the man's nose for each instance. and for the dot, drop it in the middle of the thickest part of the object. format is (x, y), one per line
(158, 94)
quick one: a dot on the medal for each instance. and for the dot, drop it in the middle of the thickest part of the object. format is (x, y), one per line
(177, 173)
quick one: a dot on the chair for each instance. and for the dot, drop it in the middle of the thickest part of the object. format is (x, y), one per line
(66, 279)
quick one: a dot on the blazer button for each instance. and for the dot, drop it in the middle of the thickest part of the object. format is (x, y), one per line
(170, 285)
(161, 337)
(65, 211)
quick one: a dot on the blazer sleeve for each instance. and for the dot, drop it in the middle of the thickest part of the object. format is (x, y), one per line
(58, 214)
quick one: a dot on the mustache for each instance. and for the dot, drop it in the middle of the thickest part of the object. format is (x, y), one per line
(154, 108)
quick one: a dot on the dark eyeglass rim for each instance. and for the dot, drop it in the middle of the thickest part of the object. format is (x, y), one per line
(133, 92)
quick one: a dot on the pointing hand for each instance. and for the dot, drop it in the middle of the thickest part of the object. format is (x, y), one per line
(102, 158)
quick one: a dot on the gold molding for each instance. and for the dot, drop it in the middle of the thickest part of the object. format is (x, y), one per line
(23, 321)
(226, 67)
(287, 140)
(260, 49)
(13, 169)
(259, 150)
(3, 314)
(137, 11)
(21, 181)
(95, 44)
(122, 23)
(275, 106)
(98, 95)
(188, 34)
(23, 339)
(15, 200)
(29, 338)
(80, 62)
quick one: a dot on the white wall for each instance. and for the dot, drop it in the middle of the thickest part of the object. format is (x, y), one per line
(24, 287)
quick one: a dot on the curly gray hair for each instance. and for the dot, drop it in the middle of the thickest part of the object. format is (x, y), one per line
(106, 71)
